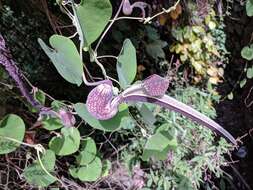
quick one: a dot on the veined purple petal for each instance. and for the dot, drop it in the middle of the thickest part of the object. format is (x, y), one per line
(155, 85)
(99, 102)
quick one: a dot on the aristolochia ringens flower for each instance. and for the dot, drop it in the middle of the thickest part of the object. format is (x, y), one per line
(102, 104)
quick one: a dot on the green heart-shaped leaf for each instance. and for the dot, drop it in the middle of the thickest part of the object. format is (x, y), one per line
(249, 7)
(34, 173)
(91, 172)
(73, 171)
(68, 143)
(247, 53)
(52, 123)
(147, 114)
(158, 145)
(93, 16)
(127, 64)
(242, 83)
(250, 73)
(12, 126)
(65, 58)
(88, 152)
(231, 96)
(108, 125)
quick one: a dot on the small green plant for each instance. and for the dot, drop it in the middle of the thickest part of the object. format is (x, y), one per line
(192, 149)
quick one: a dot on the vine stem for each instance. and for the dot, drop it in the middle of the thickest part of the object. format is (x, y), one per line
(148, 19)
(110, 25)
(107, 56)
(129, 18)
(39, 149)
(17, 141)
(45, 170)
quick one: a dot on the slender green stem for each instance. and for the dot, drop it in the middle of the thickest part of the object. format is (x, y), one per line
(107, 56)
(110, 25)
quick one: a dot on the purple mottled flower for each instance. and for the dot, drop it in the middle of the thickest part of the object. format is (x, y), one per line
(155, 85)
(67, 118)
(101, 103)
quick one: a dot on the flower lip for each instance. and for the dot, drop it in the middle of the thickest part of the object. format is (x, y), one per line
(99, 102)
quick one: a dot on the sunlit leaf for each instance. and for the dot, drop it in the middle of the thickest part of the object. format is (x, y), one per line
(92, 171)
(65, 58)
(243, 82)
(73, 172)
(247, 53)
(88, 152)
(127, 64)
(34, 173)
(230, 96)
(106, 125)
(66, 144)
(250, 73)
(51, 123)
(11, 126)
(212, 25)
(93, 16)
(158, 145)
(249, 7)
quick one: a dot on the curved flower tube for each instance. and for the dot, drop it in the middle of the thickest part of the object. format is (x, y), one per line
(174, 105)
(103, 105)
